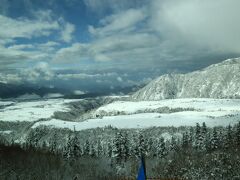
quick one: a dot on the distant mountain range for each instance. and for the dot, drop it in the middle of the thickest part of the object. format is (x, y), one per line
(13, 91)
(220, 80)
(23, 91)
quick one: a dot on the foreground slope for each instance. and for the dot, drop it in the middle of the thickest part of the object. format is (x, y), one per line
(216, 81)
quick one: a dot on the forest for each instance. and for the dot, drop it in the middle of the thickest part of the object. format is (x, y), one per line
(109, 153)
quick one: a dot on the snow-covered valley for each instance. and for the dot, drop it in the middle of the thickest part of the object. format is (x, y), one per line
(31, 110)
(143, 109)
(126, 114)
(145, 114)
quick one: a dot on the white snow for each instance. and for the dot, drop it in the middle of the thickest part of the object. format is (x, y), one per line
(145, 120)
(202, 104)
(5, 132)
(33, 110)
(53, 95)
(221, 80)
(29, 97)
(6, 103)
(214, 112)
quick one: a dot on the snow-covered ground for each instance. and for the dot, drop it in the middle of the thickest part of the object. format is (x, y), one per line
(32, 110)
(5, 132)
(6, 103)
(145, 120)
(214, 112)
(202, 104)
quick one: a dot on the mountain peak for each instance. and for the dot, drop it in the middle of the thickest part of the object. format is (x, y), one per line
(220, 80)
(230, 61)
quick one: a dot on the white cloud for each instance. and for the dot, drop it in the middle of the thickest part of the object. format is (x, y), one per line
(53, 95)
(10, 78)
(74, 53)
(112, 48)
(123, 36)
(124, 21)
(77, 76)
(25, 28)
(41, 71)
(16, 55)
(21, 46)
(112, 5)
(204, 24)
(50, 44)
(84, 76)
(67, 32)
(79, 92)
(119, 79)
(42, 23)
(156, 32)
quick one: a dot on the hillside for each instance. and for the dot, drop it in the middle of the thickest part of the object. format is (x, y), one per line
(220, 80)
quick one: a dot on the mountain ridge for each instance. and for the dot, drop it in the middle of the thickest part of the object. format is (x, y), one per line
(220, 80)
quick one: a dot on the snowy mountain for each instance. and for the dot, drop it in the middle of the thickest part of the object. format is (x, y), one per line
(220, 80)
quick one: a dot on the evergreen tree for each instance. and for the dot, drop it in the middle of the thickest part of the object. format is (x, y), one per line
(86, 148)
(142, 145)
(92, 151)
(72, 149)
(199, 138)
(207, 141)
(53, 143)
(204, 135)
(185, 140)
(150, 147)
(237, 134)
(44, 146)
(161, 148)
(214, 140)
(228, 139)
(99, 148)
(204, 128)
(191, 136)
(124, 147)
(116, 150)
(173, 144)
(77, 151)
(109, 149)
(135, 149)
(197, 129)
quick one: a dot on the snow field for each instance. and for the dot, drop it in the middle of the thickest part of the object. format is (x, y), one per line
(33, 110)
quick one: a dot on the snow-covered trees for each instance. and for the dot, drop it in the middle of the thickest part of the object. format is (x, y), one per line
(161, 148)
(228, 138)
(237, 134)
(179, 148)
(120, 145)
(86, 148)
(72, 149)
(116, 150)
(214, 141)
(120, 148)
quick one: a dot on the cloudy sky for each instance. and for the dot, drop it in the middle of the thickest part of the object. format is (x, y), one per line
(111, 42)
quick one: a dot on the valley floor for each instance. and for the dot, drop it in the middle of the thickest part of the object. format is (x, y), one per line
(125, 114)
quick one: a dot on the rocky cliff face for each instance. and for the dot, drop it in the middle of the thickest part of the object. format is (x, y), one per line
(220, 80)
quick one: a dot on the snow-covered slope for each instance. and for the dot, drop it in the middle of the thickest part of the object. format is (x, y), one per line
(216, 81)
(186, 104)
(124, 114)
(32, 110)
(214, 112)
(146, 120)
